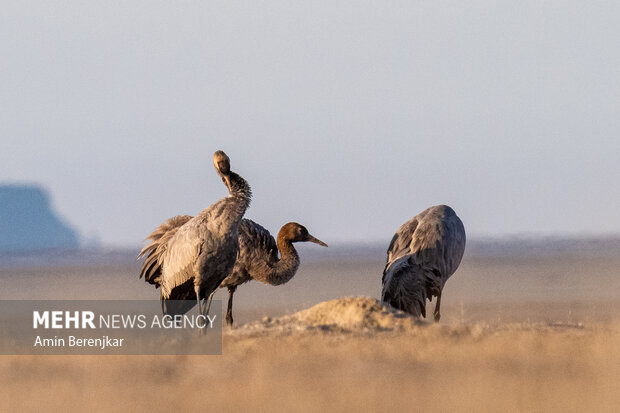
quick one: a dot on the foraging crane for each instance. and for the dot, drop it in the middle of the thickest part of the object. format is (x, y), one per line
(423, 254)
(195, 259)
(258, 255)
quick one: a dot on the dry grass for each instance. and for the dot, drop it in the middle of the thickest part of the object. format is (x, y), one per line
(517, 334)
(462, 367)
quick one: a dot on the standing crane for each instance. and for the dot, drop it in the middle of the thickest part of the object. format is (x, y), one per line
(258, 259)
(423, 254)
(195, 259)
(258, 255)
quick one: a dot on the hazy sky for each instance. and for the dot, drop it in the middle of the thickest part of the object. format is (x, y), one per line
(348, 117)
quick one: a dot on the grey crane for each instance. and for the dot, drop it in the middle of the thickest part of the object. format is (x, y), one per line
(192, 261)
(258, 255)
(423, 254)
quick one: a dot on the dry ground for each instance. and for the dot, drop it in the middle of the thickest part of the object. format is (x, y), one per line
(517, 334)
(363, 362)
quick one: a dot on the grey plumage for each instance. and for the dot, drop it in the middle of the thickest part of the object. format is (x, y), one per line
(152, 265)
(192, 255)
(423, 254)
(258, 257)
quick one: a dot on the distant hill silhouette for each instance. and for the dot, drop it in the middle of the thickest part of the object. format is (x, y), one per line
(27, 222)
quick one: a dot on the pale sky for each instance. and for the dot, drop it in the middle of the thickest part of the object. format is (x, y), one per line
(348, 117)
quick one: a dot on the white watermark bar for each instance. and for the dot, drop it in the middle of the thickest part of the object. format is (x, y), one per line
(129, 327)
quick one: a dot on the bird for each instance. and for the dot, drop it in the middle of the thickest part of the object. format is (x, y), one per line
(258, 255)
(258, 259)
(423, 254)
(192, 261)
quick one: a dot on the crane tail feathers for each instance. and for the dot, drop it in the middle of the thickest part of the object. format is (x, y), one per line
(407, 286)
(154, 252)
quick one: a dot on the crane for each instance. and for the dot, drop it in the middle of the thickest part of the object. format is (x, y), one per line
(195, 259)
(258, 259)
(258, 255)
(423, 254)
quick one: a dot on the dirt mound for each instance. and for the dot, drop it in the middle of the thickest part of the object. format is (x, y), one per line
(342, 314)
(353, 313)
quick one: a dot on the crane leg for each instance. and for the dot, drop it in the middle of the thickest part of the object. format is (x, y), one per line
(207, 307)
(436, 312)
(208, 304)
(197, 290)
(229, 317)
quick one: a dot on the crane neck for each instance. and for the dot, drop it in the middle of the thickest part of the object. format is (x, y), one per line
(241, 193)
(288, 264)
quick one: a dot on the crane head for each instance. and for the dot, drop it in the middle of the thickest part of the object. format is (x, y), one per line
(295, 232)
(221, 162)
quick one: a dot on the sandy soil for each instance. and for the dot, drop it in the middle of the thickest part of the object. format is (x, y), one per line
(535, 334)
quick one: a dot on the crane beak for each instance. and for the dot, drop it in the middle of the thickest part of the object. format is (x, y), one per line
(316, 240)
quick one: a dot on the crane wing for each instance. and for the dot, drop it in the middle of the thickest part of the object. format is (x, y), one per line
(154, 252)
(255, 242)
(401, 241)
(435, 238)
(181, 254)
(439, 240)
(407, 286)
